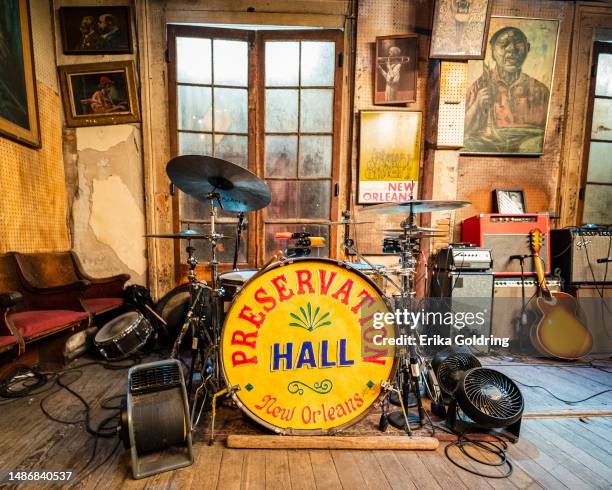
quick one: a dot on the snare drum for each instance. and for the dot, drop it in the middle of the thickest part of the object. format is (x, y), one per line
(373, 271)
(299, 344)
(233, 281)
(123, 335)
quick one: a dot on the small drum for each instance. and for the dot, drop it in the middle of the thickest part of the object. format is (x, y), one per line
(374, 272)
(233, 281)
(299, 344)
(123, 335)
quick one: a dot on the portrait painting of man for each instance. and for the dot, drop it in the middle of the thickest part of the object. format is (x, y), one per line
(88, 30)
(509, 91)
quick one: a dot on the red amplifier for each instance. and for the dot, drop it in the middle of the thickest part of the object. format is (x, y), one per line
(507, 235)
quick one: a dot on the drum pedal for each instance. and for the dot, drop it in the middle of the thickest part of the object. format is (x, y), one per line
(222, 392)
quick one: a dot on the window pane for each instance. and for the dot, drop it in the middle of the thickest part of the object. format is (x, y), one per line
(318, 63)
(600, 163)
(602, 120)
(281, 156)
(194, 108)
(231, 109)
(316, 113)
(225, 248)
(314, 199)
(272, 244)
(281, 111)
(195, 144)
(603, 82)
(193, 60)
(315, 156)
(191, 208)
(284, 199)
(232, 148)
(598, 204)
(282, 63)
(230, 62)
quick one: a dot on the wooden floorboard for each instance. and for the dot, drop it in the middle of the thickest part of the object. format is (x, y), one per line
(551, 453)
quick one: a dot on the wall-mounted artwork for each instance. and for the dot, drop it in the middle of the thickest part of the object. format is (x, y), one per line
(18, 105)
(459, 29)
(509, 201)
(98, 94)
(96, 30)
(395, 70)
(509, 91)
(389, 155)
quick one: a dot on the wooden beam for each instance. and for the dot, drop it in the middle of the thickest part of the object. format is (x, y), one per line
(331, 442)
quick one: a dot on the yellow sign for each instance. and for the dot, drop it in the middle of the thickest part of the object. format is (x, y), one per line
(297, 341)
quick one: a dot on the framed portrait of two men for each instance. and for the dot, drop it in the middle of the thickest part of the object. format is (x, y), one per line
(508, 92)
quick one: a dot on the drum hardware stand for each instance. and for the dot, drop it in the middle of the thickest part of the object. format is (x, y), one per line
(388, 387)
(224, 391)
(241, 227)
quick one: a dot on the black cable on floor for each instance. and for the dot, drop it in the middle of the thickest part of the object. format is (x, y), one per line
(569, 402)
(497, 448)
(21, 382)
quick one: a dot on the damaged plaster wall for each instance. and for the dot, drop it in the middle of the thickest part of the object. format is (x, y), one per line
(107, 212)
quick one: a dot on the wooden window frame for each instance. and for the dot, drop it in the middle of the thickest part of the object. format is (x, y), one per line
(256, 128)
(599, 47)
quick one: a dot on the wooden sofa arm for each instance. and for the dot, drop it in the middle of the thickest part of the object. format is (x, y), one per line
(10, 299)
(80, 285)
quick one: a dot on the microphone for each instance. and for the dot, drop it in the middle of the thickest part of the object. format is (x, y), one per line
(604, 260)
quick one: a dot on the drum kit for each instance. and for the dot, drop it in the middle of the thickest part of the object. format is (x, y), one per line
(294, 344)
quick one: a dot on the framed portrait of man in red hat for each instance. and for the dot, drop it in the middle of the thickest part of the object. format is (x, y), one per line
(99, 94)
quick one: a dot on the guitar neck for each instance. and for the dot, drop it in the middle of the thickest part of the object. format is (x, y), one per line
(539, 267)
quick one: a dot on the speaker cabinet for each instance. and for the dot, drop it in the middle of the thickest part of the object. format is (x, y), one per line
(575, 252)
(596, 305)
(507, 235)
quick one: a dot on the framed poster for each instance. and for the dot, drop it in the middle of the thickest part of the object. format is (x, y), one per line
(98, 94)
(508, 96)
(96, 30)
(509, 201)
(389, 156)
(459, 29)
(395, 69)
(18, 103)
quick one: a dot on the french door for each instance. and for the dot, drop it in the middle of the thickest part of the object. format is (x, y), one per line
(268, 101)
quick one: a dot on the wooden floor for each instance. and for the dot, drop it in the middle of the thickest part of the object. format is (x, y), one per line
(558, 452)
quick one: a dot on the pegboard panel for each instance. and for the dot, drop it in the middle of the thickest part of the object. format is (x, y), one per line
(383, 18)
(451, 112)
(538, 176)
(33, 204)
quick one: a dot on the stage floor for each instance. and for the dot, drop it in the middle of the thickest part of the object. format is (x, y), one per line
(568, 449)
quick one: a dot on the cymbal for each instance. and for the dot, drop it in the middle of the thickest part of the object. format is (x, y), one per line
(415, 235)
(411, 229)
(187, 235)
(347, 222)
(199, 175)
(416, 206)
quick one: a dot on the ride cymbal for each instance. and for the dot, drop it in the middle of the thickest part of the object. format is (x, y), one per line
(239, 189)
(415, 206)
(187, 235)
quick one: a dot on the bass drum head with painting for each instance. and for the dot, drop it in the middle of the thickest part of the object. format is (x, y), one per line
(298, 347)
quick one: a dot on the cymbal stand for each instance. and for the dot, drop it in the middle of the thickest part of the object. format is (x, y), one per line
(240, 229)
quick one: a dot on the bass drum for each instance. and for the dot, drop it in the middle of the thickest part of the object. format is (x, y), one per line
(300, 345)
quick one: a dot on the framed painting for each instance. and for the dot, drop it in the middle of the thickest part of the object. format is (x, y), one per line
(18, 102)
(508, 96)
(395, 69)
(509, 201)
(389, 156)
(459, 29)
(98, 94)
(96, 30)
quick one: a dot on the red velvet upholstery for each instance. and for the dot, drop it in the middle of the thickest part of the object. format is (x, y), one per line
(100, 305)
(6, 340)
(36, 323)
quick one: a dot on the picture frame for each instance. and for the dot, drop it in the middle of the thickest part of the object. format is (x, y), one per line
(509, 201)
(460, 29)
(493, 125)
(389, 156)
(98, 94)
(96, 30)
(19, 119)
(395, 69)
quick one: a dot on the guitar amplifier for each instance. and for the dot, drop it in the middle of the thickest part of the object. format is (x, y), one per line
(508, 235)
(575, 252)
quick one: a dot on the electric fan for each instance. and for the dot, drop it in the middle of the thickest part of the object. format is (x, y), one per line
(490, 399)
(450, 368)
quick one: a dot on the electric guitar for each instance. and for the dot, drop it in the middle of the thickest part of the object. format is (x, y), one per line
(559, 333)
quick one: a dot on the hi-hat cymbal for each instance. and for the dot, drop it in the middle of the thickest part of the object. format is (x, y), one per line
(187, 235)
(414, 235)
(415, 206)
(347, 222)
(199, 175)
(412, 229)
